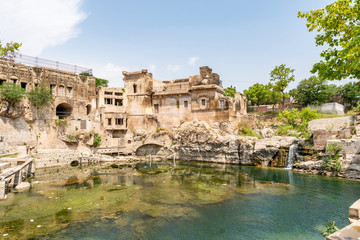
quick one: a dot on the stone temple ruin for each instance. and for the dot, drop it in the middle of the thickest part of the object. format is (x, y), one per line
(80, 109)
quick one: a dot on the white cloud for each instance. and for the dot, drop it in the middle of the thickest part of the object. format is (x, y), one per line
(151, 68)
(110, 72)
(193, 60)
(174, 68)
(39, 24)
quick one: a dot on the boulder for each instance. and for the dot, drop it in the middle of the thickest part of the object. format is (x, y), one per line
(22, 186)
(320, 138)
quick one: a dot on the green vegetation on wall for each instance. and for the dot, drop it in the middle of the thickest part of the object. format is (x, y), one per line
(333, 162)
(40, 95)
(11, 93)
(97, 140)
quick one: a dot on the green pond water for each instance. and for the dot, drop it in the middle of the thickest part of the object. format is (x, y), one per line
(189, 201)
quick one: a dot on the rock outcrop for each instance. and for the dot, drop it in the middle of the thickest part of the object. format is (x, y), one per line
(200, 141)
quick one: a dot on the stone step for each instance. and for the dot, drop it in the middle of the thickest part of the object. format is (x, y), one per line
(9, 169)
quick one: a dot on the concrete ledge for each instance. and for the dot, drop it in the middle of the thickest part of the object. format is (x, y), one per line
(351, 231)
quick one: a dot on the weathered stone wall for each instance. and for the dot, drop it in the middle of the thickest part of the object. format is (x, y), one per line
(331, 108)
(55, 157)
(16, 132)
(330, 124)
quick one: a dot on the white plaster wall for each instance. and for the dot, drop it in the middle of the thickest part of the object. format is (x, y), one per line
(332, 108)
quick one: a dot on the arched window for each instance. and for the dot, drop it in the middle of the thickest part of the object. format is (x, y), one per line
(135, 88)
(63, 110)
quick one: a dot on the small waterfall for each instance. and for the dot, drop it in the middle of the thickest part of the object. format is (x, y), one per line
(291, 156)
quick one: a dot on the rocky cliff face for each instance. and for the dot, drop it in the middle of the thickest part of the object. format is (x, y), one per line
(200, 141)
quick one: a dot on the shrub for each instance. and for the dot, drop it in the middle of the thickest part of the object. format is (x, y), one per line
(244, 129)
(97, 140)
(333, 163)
(284, 130)
(40, 95)
(330, 229)
(11, 92)
(357, 108)
(289, 117)
(297, 120)
(61, 123)
(306, 115)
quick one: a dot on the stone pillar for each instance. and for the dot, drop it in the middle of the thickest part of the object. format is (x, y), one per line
(2, 189)
(17, 178)
(354, 212)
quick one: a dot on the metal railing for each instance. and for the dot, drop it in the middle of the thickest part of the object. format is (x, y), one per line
(41, 62)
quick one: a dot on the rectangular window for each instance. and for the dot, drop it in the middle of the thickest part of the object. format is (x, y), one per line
(135, 88)
(119, 121)
(23, 85)
(109, 122)
(14, 81)
(118, 94)
(156, 108)
(108, 101)
(118, 102)
(203, 102)
(222, 104)
(69, 91)
(108, 93)
(61, 91)
(186, 103)
(53, 89)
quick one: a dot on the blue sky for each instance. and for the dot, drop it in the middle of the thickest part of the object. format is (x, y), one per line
(241, 40)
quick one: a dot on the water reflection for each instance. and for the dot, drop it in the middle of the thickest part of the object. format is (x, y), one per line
(187, 201)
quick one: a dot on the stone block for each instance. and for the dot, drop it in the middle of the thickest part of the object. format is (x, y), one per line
(320, 138)
(344, 133)
(354, 210)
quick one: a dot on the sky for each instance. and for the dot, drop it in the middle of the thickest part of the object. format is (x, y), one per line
(241, 40)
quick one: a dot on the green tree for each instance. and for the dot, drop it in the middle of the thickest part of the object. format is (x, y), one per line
(290, 117)
(338, 29)
(9, 50)
(350, 93)
(282, 76)
(99, 82)
(40, 95)
(11, 93)
(258, 94)
(313, 90)
(230, 91)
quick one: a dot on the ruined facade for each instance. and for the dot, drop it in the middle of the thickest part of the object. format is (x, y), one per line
(119, 114)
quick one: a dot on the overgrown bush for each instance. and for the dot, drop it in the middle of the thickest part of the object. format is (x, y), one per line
(330, 229)
(61, 122)
(290, 117)
(11, 93)
(40, 95)
(357, 108)
(284, 130)
(245, 129)
(296, 120)
(333, 162)
(97, 140)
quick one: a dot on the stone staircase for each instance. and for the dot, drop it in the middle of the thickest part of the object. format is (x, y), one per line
(14, 169)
